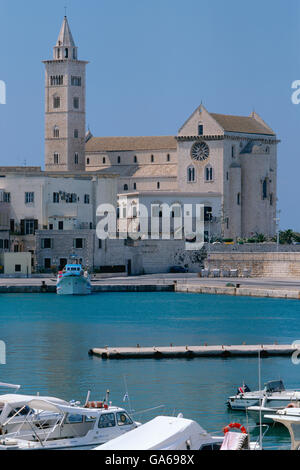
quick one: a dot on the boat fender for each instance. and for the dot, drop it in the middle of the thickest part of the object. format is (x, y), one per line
(235, 426)
(292, 405)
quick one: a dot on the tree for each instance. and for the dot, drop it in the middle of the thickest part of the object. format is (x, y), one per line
(286, 237)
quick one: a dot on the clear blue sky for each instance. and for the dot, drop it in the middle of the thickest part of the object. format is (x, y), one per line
(152, 62)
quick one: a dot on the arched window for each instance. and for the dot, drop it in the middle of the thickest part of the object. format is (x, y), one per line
(56, 158)
(76, 158)
(208, 173)
(119, 160)
(152, 158)
(191, 174)
(158, 185)
(103, 160)
(66, 53)
(125, 187)
(56, 132)
(87, 161)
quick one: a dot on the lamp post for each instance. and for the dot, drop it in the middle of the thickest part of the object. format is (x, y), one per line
(277, 221)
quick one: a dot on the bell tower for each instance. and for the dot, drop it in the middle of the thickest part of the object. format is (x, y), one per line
(65, 88)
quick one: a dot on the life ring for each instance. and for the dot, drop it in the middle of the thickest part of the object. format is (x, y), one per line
(94, 404)
(235, 426)
(291, 405)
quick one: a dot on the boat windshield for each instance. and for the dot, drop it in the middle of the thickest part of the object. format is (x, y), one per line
(275, 386)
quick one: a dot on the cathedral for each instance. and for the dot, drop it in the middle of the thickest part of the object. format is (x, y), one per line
(228, 163)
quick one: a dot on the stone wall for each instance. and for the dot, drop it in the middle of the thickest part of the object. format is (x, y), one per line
(281, 265)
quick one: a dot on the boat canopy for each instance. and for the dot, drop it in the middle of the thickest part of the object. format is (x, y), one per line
(161, 433)
(275, 386)
(47, 405)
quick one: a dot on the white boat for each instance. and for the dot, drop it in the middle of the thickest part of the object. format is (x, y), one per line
(74, 426)
(165, 433)
(290, 418)
(73, 280)
(16, 412)
(274, 395)
(178, 433)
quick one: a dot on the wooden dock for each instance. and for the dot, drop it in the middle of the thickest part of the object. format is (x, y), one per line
(222, 351)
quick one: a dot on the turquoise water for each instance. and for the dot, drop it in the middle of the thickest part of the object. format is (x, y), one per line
(48, 338)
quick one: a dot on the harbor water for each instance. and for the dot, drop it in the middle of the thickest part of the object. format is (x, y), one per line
(48, 338)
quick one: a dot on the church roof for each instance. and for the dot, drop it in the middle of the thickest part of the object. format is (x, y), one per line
(143, 171)
(65, 37)
(115, 144)
(242, 124)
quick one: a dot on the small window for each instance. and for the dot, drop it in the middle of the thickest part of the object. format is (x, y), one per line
(119, 159)
(18, 268)
(152, 158)
(6, 197)
(107, 420)
(46, 243)
(78, 243)
(168, 157)
(76, 133)
(56, 159)
(29, 198)
(55, 198)
(56, 102)
(56, 132)
(66, 53)
(200, 129)
(135, 159)
(100, 244)
(73, 419)
(104, 160)
(76, 158)
(87, 161)
(47, 263)
(134, 186)
(125, 187)
(227, 175)
(76, 103)
(233, 151)
(60, 225)
(265, 189)
(86, 198)
(238, 199)
(271, 199)
(158, 185)
(123, 419)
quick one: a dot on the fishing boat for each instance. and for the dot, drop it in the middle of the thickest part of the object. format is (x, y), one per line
(73, 280)
(274, 395)
(71, 426)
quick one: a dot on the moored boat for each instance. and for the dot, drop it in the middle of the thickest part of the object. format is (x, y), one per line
(73, 280)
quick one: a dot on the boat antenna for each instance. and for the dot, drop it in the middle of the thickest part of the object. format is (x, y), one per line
(260, 400)
(126, 396)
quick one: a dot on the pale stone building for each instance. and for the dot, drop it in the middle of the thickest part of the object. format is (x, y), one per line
(226, 163)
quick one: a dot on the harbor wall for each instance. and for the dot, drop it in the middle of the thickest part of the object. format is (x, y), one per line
(263, 264)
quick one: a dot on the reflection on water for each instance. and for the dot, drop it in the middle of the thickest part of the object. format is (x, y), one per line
(48, 338)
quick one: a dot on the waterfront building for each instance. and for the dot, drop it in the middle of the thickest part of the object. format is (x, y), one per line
(226, 163)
